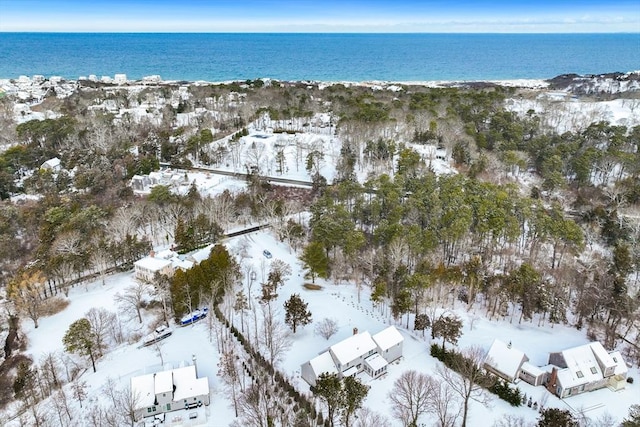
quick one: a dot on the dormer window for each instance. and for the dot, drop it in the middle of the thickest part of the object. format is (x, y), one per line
(594, 370)
(579, 374)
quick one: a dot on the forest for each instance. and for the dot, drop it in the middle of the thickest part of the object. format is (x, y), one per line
(537, 218)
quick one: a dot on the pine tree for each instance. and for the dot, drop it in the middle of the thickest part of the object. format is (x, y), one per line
(315, 259)
(296, 313)
(80, 339)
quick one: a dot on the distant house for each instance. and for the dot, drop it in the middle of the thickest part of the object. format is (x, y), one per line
(360, 352)
(585, 368)
(168, 391)
(146, 268)
(53, 165)
(504, 361)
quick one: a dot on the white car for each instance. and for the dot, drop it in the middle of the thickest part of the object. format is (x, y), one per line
(266, 254)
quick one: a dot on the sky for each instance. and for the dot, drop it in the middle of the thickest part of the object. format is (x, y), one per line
(425, 16)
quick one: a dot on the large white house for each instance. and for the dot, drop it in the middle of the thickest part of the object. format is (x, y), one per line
(586, 368)
(146, 268)
(169, 391)
(360, 352)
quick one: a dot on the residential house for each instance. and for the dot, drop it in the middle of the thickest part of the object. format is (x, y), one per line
(146, 268)
(167, 391)
(505, 361)
(389, 342)
(323, 363)
(585, 368)
(360, 352)
(53, 165)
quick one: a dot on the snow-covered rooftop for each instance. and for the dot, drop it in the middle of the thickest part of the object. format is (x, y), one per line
(152, 263)
(387, 338)
(582, 366)
(143, 388)
(163, 382)
(375, 361)
(323, 363)
(353, 347)
(187, 385)
(505, 359)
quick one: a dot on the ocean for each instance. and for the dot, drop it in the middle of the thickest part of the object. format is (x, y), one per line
(323, 57)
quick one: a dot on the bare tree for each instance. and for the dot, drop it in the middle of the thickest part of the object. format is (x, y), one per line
(100, 260)
(469, 380)
(410, 396)
(79, 389)
(50, 371)
(367, 418)
(326, 328)
(131, 301)
(509, 420)
(275, 338)
(444, 404)
(256, 405)
(60, 403)
(101, 321)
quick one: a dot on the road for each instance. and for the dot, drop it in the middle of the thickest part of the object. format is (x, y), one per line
(240, 175)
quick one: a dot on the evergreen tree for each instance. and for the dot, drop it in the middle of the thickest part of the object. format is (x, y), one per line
(80, 339)
(448, 327)
(296, 313)
(315, 259)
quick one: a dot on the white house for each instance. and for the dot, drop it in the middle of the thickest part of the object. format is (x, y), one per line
(504, 360)
(321, 364)
(389, 342)
(146, 268)
(586, 368)
(54, 165)
(360, 352)
(169, 391)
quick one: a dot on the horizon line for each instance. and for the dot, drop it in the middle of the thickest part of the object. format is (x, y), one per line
(316, 32)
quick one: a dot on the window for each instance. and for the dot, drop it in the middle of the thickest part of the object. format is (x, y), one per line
(148, 410)
(579, 374)
(594, 370)
(168, 406)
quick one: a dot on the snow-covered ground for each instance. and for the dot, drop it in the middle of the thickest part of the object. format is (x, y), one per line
(563, 112)
(338, 301)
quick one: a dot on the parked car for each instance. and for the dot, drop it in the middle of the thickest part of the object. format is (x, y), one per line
(266, 254)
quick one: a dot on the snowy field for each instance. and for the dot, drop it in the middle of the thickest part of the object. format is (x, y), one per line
(335, 301)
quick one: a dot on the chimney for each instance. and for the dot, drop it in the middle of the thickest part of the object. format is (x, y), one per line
(551, 383)
(193, 358)
(152, 254)
(355, 331)
(509, 345)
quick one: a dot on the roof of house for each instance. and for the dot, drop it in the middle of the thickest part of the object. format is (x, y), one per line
(602, 355)
(187, 385)
(375, 361)
(163, 382)
(353, 347)
(621, 366)
(52, 163)
(152, 263)
(387, 338)
(532, 369)
(350, 371)
(323, 363)
(143, 388)
(505, 359)
(582, 366)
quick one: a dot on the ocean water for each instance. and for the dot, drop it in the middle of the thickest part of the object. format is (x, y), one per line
(323, 57)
